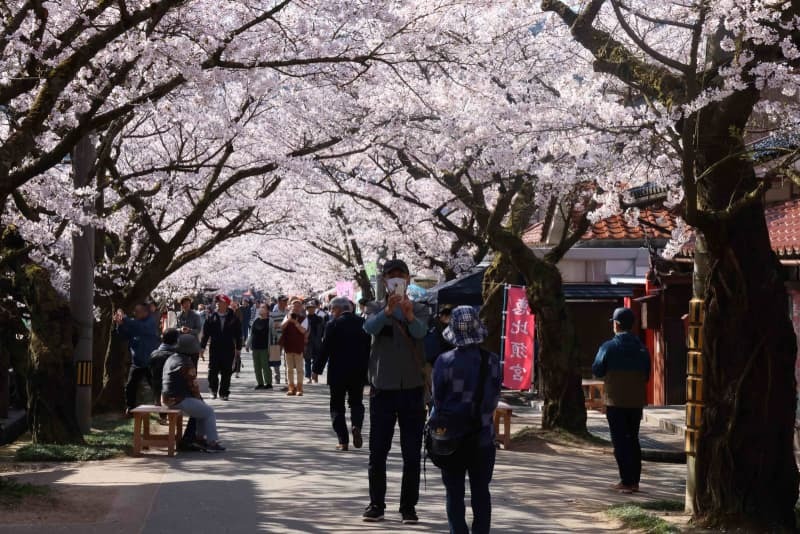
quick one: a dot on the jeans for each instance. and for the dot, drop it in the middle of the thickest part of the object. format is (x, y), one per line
(217, 384)
(355, 395)
(261, 367)
(190, 432)
(204, 414)
(624, 426)
(480, 470)
(386, 408)
(136, 375)
(309, 362)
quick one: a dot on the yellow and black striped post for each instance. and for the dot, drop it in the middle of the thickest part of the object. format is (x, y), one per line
(694, 375)
(694, 394)
(84, 370)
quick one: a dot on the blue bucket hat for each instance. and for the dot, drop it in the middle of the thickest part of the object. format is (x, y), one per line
(465, 327)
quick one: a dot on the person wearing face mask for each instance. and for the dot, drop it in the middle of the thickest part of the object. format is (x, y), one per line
(397, 389)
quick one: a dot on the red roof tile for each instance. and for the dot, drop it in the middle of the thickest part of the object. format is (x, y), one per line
(617, 228)
(783, 221)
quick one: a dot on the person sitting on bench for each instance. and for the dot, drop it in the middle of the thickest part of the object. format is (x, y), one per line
(181, 391)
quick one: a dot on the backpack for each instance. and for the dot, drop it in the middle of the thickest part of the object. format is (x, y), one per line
(443, 449)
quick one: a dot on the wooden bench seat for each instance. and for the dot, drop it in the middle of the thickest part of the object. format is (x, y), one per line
(144, 439)
(503, 412)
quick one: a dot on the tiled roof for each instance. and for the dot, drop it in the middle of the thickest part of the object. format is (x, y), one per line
(783, 221)
(658, 223)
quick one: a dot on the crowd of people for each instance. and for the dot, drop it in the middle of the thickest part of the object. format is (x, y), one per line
(427, 375)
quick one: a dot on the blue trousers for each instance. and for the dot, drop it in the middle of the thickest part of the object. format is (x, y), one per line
(387, 408)
(624, 426)
(480, 470)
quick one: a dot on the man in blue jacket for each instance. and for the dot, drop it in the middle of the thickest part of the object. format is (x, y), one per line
(345, 349)
(624, 364)
(143, 339)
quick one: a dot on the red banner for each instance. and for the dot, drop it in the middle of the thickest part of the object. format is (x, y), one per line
(518, 350)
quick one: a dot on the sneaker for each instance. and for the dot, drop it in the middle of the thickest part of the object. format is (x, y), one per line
(373, 514)
(409, 517)
(223, 397)
(358, 441)
(213, 395)
(299, 393)
(259, 387)
(291, 393)
(342, 447)
(215, 447)
(268, 386)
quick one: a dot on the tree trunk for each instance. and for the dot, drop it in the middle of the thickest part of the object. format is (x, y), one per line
(559, 364)
(50, 374)
(498, 274)
(364, 284)
(746, 473)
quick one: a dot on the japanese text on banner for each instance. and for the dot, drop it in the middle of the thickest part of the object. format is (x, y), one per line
(518, 350)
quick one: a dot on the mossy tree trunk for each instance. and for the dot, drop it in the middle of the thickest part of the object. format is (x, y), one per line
(745, 469)
(497, 275)
(50, 372)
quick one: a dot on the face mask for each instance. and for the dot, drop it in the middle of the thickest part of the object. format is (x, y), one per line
(396, 285)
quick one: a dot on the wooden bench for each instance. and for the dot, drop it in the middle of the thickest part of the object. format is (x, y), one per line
(593, 393)
(143, 439)
(503, 412)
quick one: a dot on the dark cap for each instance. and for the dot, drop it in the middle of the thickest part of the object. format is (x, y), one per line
(393, 265)
(188, 344)
(283, 298)
(625, 318)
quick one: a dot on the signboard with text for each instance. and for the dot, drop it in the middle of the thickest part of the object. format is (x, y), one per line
(346, 289)
(518, 346)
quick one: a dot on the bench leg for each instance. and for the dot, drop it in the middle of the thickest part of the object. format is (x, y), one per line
(171, 436)
(179, 435)
(146, 425)
(137, 434)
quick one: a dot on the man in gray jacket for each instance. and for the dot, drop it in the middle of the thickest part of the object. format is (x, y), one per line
(397, 393)
(189, 321)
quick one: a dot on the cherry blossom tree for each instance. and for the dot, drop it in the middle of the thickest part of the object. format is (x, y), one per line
(703, 71)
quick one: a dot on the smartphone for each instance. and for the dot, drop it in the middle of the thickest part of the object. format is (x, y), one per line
(400, 288)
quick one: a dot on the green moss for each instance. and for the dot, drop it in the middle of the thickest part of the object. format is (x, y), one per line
(108, 439)
(635, 517)
(664, 505)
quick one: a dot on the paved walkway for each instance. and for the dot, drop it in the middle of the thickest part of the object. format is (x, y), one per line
(282, 474)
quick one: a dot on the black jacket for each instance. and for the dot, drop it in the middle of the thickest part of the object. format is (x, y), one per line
(345, 348)
(316, 331)
(157, 360)
(259, 334)
(225, 341)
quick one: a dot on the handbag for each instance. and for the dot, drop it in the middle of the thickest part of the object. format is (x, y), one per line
(447, 451)
(274, 353)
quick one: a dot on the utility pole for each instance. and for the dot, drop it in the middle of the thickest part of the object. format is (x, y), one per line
(82, 285)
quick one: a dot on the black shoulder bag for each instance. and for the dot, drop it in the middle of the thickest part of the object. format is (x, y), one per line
(446, 451)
